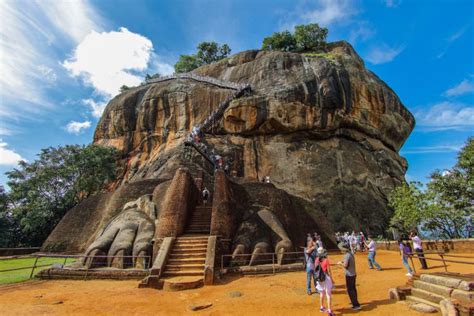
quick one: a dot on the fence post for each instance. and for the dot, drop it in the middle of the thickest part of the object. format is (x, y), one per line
(413, 265)
(273, 262)
(34, 267)
(444, 262)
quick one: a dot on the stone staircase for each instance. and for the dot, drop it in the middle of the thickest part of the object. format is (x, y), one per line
(184, 268)
(442, 292)
(187, 257)
(200, 221)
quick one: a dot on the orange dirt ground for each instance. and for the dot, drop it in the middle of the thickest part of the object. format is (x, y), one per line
(281, 294)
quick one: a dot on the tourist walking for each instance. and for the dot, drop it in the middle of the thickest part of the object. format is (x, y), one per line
(310, 257)
(205, 196)
(353, 240)
(362, 241)
(371, 256)
(405, 251)
(419, 249)
(350, 274)
(324, 280)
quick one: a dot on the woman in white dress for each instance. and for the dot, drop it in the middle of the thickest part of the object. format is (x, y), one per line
(324, 287)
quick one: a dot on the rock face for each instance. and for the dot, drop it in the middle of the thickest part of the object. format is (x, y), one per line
(324, 129)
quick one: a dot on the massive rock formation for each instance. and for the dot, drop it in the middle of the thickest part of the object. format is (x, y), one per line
(326, 130)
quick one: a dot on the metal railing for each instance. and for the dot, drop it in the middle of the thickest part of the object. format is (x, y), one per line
(76, 258)
(442, 258)
(235, 262)
(210, 80)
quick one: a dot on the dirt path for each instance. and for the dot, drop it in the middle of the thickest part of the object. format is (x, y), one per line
(282, 294)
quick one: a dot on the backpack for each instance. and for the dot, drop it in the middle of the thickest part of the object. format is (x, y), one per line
(319, 273)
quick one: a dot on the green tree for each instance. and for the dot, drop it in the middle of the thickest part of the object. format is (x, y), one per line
(445, 208)
(44, 190)
(124, 88)
(452, 196)
(408, 202)
(186, 63)
(207, 53)
(310, 37)
(283, 41)
(5, 223)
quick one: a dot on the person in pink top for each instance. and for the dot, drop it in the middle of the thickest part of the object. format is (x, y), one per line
(324, 280)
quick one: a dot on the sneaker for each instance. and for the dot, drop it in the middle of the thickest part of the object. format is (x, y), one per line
(409, 275)
(309, 293)
(322, 309)
(330, 313)
(356, 308)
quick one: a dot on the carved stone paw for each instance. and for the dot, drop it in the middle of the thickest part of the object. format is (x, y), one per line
(126, 241)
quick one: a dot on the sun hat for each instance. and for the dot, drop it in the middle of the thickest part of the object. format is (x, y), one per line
(322, 252)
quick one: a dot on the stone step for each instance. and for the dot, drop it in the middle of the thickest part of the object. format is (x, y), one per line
(191, 238)
(182, 283)
(447, 281)
(190, 243)
(200, 219)
(194, 250)
(183, 273)
(202, 239)
(187, 261)
(433, 288)
(184, 267)
(190, 247)
(199, 227)
(426, 295)
(412, 300)
(199, 232)
(199, 255)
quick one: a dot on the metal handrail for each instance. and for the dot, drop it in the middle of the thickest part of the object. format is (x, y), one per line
(210, 80)
(441, 254)
(66, 257)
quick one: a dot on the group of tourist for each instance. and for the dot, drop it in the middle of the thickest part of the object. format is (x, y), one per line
(406, 251)
(318, 269)
(356, 241)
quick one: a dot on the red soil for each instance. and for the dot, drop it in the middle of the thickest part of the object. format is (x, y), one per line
(281, 294)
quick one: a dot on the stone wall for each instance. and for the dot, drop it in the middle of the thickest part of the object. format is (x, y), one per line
(455, 245)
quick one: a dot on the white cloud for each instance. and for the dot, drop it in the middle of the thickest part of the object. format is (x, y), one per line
(392, 3)
(33, 32)
(74, 127)
(329, 11)
(451, 39)
(463, 87)
(361, 31)
(446, 115)
(48, 73)
(97, 108)
(8, 157)
(383, 53)
(432, 149)
(456, 35)
(323, 12)
(105, 60)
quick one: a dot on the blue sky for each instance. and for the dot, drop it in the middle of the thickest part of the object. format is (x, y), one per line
(61, 61)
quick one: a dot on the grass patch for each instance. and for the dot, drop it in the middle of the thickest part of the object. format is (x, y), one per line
(329, 56)
(24, 274)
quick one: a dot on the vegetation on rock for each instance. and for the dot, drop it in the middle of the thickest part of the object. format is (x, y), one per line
(445, 207)
(42, 191)
(306, 38)
(208, 52)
